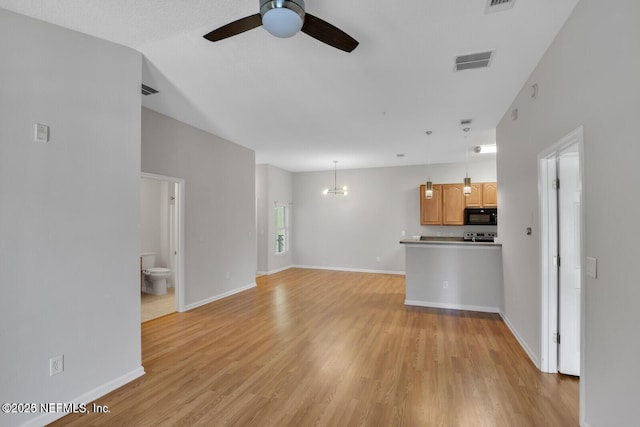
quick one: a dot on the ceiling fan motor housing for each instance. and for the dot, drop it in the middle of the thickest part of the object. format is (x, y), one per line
(282, 18)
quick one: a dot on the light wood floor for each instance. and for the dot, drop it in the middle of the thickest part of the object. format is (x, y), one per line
(313, 347)
(154, 306)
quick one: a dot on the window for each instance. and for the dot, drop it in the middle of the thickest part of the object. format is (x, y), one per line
(282, 229)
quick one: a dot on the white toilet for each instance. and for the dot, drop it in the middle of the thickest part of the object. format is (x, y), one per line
(155, 278)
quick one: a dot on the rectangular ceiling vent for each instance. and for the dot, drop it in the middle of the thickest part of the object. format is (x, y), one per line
(147, 90)
(473, 60)
(498, 5)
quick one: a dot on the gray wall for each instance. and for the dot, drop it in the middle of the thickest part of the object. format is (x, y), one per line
(261, 219)
(69, 246)
(473, 274)
(274, 187)
(589, 77)
(220, 238)
(361, 231)
(150, 221)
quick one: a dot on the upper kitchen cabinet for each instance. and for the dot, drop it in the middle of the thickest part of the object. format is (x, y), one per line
(490, 195)
(474, 200)
(483, 195)
(447, 205)
(431, 209)
(453, 204)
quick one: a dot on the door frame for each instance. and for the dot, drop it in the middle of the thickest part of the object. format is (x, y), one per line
(179, 227)
(548, 247)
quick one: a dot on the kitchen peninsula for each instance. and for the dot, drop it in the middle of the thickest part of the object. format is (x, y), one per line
(449, 272)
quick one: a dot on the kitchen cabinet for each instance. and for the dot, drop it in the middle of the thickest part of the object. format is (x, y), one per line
(448, 202)
(474, 200)
(489, 195)
(483, 195)
(431, 209)
(453, 204)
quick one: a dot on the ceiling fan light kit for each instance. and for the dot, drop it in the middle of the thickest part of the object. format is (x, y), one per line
(282, 18)
(285, 18)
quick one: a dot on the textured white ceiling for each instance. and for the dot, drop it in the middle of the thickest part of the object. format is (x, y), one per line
(299, 103)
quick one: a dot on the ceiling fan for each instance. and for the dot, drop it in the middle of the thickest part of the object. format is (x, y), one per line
(284, 18)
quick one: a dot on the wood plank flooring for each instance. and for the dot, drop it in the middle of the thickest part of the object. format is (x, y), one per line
(327, 348)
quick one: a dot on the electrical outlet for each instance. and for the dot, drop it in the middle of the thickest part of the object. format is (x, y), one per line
(56, 365)
(445, 284)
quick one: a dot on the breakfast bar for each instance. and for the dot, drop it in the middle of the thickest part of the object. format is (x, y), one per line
(450, 272)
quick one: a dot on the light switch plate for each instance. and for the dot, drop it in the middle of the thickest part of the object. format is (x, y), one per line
(592, 267)
(41, 133)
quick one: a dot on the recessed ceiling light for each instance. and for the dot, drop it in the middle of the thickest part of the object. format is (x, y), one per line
(429, 132)
(485, 149)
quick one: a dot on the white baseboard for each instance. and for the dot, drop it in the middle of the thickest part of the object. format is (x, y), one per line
(356, 270)
(220, 296)
(452, 306)
(88, 397)
(522, 342)
(278, 270)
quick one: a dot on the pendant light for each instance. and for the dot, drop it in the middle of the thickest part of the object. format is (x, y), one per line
(428, 188)
(335, 190)
(467, 180)
(467, 186)
(428, 191)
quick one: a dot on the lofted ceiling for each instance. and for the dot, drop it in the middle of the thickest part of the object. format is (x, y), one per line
(299, 103)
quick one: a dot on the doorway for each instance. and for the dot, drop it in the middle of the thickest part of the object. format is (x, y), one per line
(562, 248)
(169, 248)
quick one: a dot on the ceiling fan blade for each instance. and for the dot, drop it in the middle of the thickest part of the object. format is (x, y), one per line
(235, 27)
(327, 33)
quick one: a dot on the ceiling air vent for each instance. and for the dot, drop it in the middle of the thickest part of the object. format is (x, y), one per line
(473, 60)
(465, 122)
(498, 5)
(146, 90)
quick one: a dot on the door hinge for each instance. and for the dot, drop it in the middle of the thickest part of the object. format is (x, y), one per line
(555, 184)
(556, 261)
(556, 338)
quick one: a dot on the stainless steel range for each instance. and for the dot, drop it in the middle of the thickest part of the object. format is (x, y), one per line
(480, 236)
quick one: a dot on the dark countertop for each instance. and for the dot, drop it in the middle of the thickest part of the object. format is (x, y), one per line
(446, 240)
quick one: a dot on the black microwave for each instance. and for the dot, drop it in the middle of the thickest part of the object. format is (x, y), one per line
(481, 216)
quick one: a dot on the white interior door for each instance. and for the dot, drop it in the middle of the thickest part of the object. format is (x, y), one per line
(569, 277)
